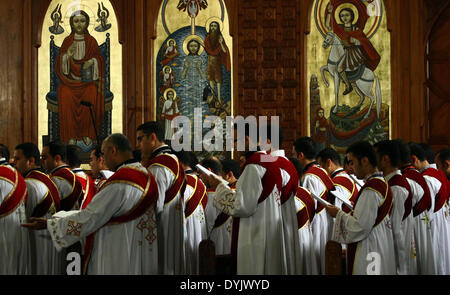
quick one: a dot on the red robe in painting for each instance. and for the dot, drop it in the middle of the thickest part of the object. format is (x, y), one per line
(75, 119)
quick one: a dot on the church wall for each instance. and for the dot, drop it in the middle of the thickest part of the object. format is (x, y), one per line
(269, 39)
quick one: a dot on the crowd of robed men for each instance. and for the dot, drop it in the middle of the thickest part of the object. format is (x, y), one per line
(148, 212)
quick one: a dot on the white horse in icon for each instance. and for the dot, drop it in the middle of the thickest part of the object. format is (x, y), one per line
(363, 85)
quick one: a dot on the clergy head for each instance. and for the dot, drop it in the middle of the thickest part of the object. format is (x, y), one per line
(53, 155)
(212, 164)
(26, 157)
(79, 22)
(329, 159)
(388, 156)
(362, 159)
(443, 161)
(418, 156)
(74, 155)
(405, 152)
(274, 138)
(116, 149)
(149, 137)
(97, 161)
(304, 150)
(230, 170)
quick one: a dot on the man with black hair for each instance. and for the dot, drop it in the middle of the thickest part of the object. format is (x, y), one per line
(257, 245)
(195, 200)
(443, 162)
(230, 171)
(14, 249)
(438, 219)
(316, 180)
(100, 172)
(388, 158)
(43, 201)
(170, 177)
(346, 188)
(119, 223)
(87, 183)
(368, 228)
(429, 154)
(219, 223)
(54, 157)
(421, 203)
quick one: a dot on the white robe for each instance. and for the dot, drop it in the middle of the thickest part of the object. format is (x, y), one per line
(64, 188)
(439, 230)
(221, 235)
(260, 248)
(14, 241)
(422, 234)
(44, 259)
(125, 248)
(374, 253)
(322, 222)
(171, 220)
(196, 232)
(403, 230)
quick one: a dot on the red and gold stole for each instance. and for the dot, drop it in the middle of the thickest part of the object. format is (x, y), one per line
(291, 186)
(400, 180)
(425, 202)
(77, 191)
(308, 211)
(342, 180)
(198, 196)
(442, 194)
(18, 193)
(325, 179)
(52, 197)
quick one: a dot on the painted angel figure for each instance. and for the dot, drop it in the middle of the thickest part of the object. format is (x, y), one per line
(192, 6)
(170, 110)
(103, 15)
(167, 78)
(56, 17)
(170, 51)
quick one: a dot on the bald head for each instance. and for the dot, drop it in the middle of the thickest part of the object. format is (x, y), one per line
(116, 149)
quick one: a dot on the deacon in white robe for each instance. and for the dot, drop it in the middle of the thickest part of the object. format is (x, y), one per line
(260, 245)
(14, 241)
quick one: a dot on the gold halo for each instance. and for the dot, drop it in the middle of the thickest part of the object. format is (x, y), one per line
(164, 69)
(170, 89)
(193, 37)
(214, 19)
(346, 5)
(168, 41)
(74, 6)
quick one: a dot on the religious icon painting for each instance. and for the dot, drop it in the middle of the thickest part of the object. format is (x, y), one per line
(194, 60)
(79, 97)
(349, 70)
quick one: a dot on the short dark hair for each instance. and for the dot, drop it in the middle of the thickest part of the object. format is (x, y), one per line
(307, 146)
(213, 164)
(363, 149)
(121, 142)
(417, 150)
(57, 148)
(297, 165)
(405, 151)
(4, 151)
(231, 165)
(152, 127)
(330, 154)
(429, 153)
(137, 155)
(74, 155)
(30, 150)
(389, 148)
(280, 134)
(184, 157)
(98, 151)
(444, 155)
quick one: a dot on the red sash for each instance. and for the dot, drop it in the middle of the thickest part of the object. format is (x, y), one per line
(271, 178)
(442, 194)
(51, 198)
(307, 212)
(77, 191)
(326, 180)
(149, 197)
(400, 180)
(18, 193)
(179, 185)
(384, 209)
(291, 187)
(88, 186)
(348, 184)
(198, 195)
(425, 202)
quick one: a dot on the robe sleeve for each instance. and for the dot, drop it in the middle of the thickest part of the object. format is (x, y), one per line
(69, 227)
(351, 229)
(164, 179)
(243, 201)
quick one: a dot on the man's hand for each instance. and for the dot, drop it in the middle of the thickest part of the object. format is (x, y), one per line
(332, 210)
(36, 223)
(88, 64)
